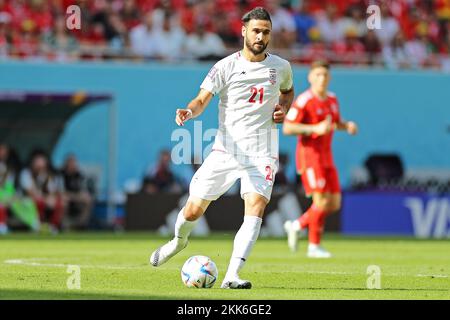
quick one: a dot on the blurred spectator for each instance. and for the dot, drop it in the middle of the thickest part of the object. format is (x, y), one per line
(222, 24)
(395, 55)
(109, 30)
(172, 48)
(5, 34)
(316, 49)
(9, 157)
(389, 26)
(144, 40)
(372, 47)
(204, 45)
(418, 50)
(304, 21)
(384, 168)
(130, 14)
(161, 177)
(235, 19)
(283, 25)
(149, 185)
(95, 37)
(26, 41)
(8, 173)
(59, 44)
(445, 50)
(351, 50)
(203, 13)
(101, 16)
(41, 14)
(116, 28)
(40, 182)
(79, 200)
(119, 34)
(328, 24)
(355, 21)
(187, 17)
(165, 10)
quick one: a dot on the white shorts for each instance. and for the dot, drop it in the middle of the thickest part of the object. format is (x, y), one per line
(220, 170)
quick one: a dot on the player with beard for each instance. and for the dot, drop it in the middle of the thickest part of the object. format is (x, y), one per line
(255, 90)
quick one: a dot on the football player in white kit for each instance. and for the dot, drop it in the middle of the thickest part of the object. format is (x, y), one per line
(256, 91)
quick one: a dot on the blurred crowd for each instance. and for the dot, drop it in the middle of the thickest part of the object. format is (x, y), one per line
(413, 34)
(39, 196)
(36, 194)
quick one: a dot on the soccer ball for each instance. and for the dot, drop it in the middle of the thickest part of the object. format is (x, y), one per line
(199, 272)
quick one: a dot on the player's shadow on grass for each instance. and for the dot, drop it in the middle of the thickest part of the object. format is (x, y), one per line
(358, 289)
(26, 294)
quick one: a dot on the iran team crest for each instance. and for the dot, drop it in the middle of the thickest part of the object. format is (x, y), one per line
(273, 76)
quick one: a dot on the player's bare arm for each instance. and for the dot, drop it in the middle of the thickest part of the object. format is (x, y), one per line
(349, 126)
(285, 101)
(194, 108)
(295, 129)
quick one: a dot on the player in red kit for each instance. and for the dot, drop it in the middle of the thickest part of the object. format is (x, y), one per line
(313, 117)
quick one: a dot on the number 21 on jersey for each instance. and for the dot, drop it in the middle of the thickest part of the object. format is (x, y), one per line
(254, 92)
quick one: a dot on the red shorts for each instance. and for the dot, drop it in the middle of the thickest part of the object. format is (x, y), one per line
(321, 180)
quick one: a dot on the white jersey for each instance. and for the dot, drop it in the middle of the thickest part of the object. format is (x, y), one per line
(248, 93)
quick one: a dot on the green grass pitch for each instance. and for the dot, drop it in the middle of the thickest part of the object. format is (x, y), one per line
(115, 266)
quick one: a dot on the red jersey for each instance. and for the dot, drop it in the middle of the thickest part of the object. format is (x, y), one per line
(314, 150)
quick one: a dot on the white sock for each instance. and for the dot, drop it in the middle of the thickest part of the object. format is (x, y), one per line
(183, 227)
(243, 243)
(313, 246)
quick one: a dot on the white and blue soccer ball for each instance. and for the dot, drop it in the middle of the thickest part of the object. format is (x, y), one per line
(199, 272)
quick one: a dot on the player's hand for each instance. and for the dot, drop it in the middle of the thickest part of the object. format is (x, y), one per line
(324, 126)
(278, 114)
(182, 116)
(352, 128)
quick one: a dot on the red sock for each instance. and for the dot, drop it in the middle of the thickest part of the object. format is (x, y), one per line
(314, 220)
(57, 213)
(3, 216)
(40, 204)
(305, 218)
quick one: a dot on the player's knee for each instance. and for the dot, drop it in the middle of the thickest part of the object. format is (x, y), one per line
(336, 203)
(333, 205)
(325, 205)
(328, 203)
(336, 206)
(192, 212)
(322, 204)
(255, 205)
(256, 211)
